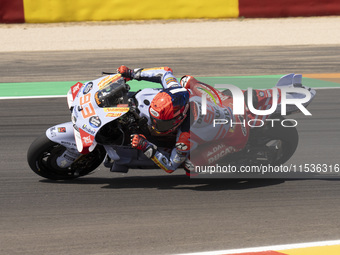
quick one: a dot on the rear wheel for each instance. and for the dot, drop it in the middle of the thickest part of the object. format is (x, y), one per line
(42, 158)
(278, 143)
(266, 146)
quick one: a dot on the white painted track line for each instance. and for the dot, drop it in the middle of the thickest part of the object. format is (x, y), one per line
(268, 248)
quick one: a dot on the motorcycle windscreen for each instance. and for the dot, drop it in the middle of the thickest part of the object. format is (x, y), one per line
(112, 94)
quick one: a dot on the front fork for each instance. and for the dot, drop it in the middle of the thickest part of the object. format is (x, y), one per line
(68, 157)
(63, 134)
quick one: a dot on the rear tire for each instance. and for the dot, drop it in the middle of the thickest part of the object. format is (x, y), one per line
(286, 137)
(42, 155)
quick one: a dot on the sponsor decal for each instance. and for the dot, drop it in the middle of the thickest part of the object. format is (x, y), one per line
(88, 87)
(95, 121)
(261, 93)
(68, 143)
(75, 89)
(87, 141)
(107, 80)
(220, 153)
(171, 82)
(97, 99)
(215, 149)
(177, 90)
(154, 159)
(84, 140)
(153, 112)
(116, 109)
(156, 68)
(88, 129)
(114, 114)
(170, 79)
(61, 129)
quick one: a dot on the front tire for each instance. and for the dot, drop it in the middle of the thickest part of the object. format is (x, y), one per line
(43, 153)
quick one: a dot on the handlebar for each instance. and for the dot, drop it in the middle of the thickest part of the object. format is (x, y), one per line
(107, 73)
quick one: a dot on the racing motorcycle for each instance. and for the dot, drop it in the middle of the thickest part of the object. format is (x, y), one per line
(104, 114)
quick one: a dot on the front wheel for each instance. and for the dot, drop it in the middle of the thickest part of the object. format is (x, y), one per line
(42, 158)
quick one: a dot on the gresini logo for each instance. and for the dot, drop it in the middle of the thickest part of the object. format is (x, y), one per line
(295, 98)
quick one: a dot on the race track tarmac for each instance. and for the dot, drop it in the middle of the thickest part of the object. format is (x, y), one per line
(151, 212)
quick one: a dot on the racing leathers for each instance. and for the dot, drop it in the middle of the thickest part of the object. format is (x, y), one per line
(179, 153)
(206, 140)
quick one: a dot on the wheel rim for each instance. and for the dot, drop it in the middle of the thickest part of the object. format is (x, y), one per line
(46, 163)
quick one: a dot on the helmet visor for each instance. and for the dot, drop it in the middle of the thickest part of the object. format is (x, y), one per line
(163, 125)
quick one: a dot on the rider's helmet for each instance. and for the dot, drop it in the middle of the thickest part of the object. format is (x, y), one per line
(168, 109)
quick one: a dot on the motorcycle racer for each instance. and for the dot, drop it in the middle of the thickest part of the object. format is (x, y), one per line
(197, 143)
(188, 124)
(169, 113)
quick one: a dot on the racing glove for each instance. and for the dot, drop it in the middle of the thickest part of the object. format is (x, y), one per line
(139, 142)
(126, 72)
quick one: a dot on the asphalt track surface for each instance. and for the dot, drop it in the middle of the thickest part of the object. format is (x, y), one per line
(151, 212)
